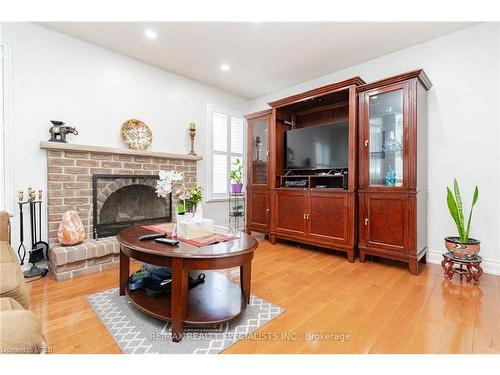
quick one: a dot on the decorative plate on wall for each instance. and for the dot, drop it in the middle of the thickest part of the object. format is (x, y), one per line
(136, 134)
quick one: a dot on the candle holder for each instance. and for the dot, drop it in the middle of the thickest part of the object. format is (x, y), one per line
(192, 134)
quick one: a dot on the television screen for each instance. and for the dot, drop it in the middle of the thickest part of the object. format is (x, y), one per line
(317, 147)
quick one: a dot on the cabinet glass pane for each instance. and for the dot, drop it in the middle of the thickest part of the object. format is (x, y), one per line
(259, 146)
(386, 139)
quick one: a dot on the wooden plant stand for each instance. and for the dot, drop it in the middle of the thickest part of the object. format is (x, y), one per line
(468, 268)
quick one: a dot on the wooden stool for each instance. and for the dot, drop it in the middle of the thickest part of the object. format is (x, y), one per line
(472, 270)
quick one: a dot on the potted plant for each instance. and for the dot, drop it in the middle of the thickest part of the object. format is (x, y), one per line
(237, 210)
(194, 196)
(236, 176)
(461, 246)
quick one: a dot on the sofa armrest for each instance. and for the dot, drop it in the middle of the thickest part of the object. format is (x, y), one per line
(4, 226)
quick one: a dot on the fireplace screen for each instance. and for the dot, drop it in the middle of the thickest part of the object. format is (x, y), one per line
(122, 200)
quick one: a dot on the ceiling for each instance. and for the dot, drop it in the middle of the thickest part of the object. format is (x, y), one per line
(263, 56)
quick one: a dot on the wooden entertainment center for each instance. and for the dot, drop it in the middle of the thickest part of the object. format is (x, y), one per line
(376, 202)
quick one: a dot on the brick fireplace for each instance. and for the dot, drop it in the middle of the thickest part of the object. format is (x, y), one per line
(121, 200)
(71, 170)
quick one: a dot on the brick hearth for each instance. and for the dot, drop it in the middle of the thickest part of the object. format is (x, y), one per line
(91, 256)
(69, 187)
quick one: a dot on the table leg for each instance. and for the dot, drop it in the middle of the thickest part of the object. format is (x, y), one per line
(124, 271)
(179, 298)
(245, 280)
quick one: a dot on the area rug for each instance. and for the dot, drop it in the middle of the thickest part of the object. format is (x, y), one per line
(138, 333)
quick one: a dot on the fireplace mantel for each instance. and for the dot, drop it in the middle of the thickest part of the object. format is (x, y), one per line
(111, 150)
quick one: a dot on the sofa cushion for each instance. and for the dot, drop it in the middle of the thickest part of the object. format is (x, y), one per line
(9, 304)
(7, 254)
(4, 226)
(20, 332)
(12, 283)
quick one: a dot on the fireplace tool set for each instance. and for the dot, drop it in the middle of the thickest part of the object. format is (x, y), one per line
(39, 249)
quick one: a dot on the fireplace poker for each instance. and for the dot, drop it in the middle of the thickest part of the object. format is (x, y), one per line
(20, 198)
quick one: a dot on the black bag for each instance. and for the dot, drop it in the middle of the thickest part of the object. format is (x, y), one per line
(159, 280)
(154, 288)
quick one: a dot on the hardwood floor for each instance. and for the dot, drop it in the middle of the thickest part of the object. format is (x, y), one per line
(381, 306)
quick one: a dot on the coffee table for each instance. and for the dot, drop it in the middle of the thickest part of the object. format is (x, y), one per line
(217, 300)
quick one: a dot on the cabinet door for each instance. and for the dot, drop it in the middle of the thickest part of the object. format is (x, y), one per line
(290, 209)
(384, 138)
(384, 221)
(258, 151)
(258, 210)
(328, 217)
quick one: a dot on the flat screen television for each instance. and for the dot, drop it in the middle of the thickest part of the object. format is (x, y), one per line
(317, 147)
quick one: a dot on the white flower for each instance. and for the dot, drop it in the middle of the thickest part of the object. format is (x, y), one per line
(164, 184)
(162, 174)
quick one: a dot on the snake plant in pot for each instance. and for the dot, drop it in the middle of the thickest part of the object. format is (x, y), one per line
(462, 246)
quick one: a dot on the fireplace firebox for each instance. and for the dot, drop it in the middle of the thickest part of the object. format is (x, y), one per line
(122, 200)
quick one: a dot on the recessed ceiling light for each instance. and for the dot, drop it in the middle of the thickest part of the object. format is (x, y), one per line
(225, 67)
(150, 34)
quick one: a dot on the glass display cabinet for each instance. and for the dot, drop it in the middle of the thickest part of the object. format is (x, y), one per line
(258, 167)
(393, 168)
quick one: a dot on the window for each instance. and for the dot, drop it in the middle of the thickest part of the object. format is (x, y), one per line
(226, 143)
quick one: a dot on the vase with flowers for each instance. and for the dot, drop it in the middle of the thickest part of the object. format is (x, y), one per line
(190, 197)
(164, 186)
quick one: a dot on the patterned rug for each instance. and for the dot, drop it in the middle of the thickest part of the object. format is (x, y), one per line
(138, 333)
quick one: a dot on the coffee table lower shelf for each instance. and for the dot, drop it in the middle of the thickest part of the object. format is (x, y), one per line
(217, 300)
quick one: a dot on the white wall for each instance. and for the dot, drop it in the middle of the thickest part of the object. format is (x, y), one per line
(2, 146)
(464, 122)
(57, 77)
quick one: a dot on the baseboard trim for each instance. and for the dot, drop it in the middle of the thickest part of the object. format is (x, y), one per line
(489, 266)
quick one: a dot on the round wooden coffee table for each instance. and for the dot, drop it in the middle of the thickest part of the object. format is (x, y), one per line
(217, 300)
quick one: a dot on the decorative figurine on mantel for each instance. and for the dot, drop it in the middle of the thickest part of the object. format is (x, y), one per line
(58, 131)
(192, 134)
